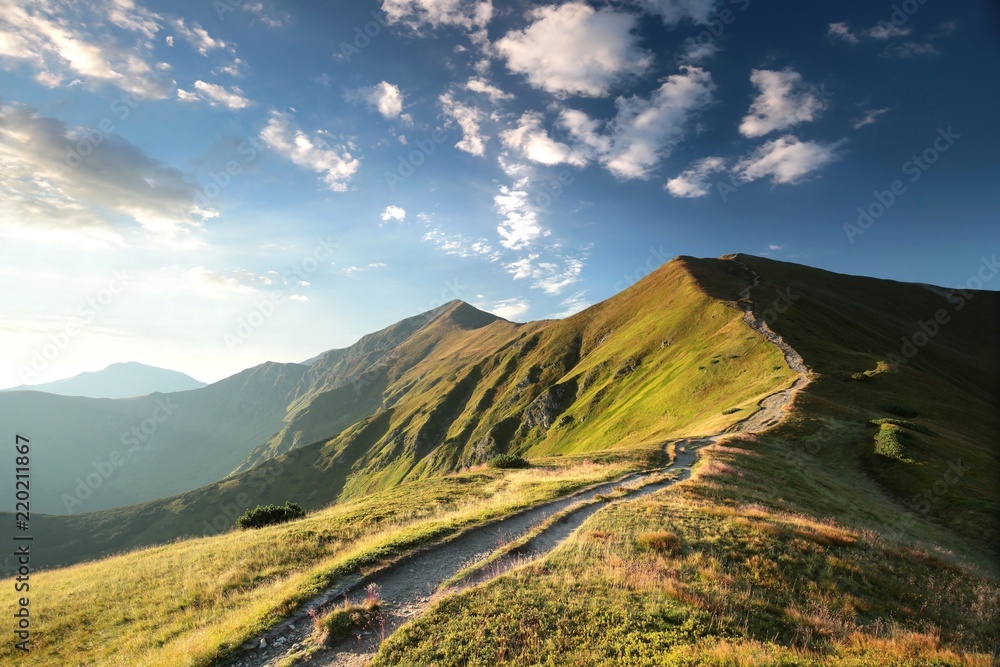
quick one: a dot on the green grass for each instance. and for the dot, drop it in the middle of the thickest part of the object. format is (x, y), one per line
(799, 547)
(192, 602)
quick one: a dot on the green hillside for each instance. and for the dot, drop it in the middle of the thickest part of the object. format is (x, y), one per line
(860, 530)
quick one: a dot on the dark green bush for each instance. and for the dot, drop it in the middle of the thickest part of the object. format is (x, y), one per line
(266, 515)
(508, 461)
(729, 411)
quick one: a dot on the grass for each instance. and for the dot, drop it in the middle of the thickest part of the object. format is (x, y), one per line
(192, 602)
(798, 547)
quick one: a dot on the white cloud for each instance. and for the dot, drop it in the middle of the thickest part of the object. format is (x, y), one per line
(59, 182)
(468, 118)
(460, 245)
(467, 14)
(495, 95)
(572, 305)
(785, 160)
(520, 227)
(186, 96)
(354, 270)
(883, 31)
(783, 101)
(269, 16)
(387, 98)
(531, 139)
(510, 308)
(642, 132)
(841, 30)
(198, 37)
(869, 117)
(299, 297)
(552, 277)
(909, 50)
(54, 41)
(215, 95)
(675, 11)
(573, 49)
(393, 213)
(335, 165)
(693, 181)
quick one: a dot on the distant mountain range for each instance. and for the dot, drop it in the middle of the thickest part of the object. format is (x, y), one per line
(452, 387)
(122, 380)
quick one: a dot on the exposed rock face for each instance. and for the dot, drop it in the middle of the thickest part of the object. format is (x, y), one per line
(548, 405)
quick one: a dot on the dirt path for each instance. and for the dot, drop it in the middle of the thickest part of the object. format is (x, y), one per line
(406, 588)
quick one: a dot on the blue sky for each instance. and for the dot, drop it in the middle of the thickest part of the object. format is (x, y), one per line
(208, 185)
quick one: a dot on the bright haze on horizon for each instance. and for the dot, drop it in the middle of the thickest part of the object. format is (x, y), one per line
(205, 186)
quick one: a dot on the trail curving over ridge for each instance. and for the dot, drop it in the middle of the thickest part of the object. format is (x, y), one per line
(411, 584)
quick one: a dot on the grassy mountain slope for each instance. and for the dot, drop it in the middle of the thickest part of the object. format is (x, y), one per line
(660, 360)
(809, 545)
(97, 453)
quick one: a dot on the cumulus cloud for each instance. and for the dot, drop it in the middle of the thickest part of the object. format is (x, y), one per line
(510, 308)
(573, 49)
(335, 164)
(534, 143)
(468, 118)
(61, 182)
(675, 11)
(393, 213)
(783, 101)
(785, 160)
(694, 181)
(645, 129)
(468, 14)
(632, 143)
(387, 98)
(52, 39)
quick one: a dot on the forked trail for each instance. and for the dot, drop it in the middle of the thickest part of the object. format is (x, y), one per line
(408, 586)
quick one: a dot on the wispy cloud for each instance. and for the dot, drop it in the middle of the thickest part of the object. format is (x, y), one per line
(693, 182)
(335, 164)
(869, 117)
(51, 184)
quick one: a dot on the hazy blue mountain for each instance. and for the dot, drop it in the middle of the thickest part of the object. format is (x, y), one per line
(122, 380)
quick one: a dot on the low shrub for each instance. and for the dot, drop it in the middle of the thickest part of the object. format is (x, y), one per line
(267, 515)
(508, 461)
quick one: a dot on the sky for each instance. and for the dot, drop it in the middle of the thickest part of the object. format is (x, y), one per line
(205, 186)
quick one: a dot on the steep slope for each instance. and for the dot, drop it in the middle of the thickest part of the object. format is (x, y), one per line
(662, 359)
(98, 453)
(121, 380)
